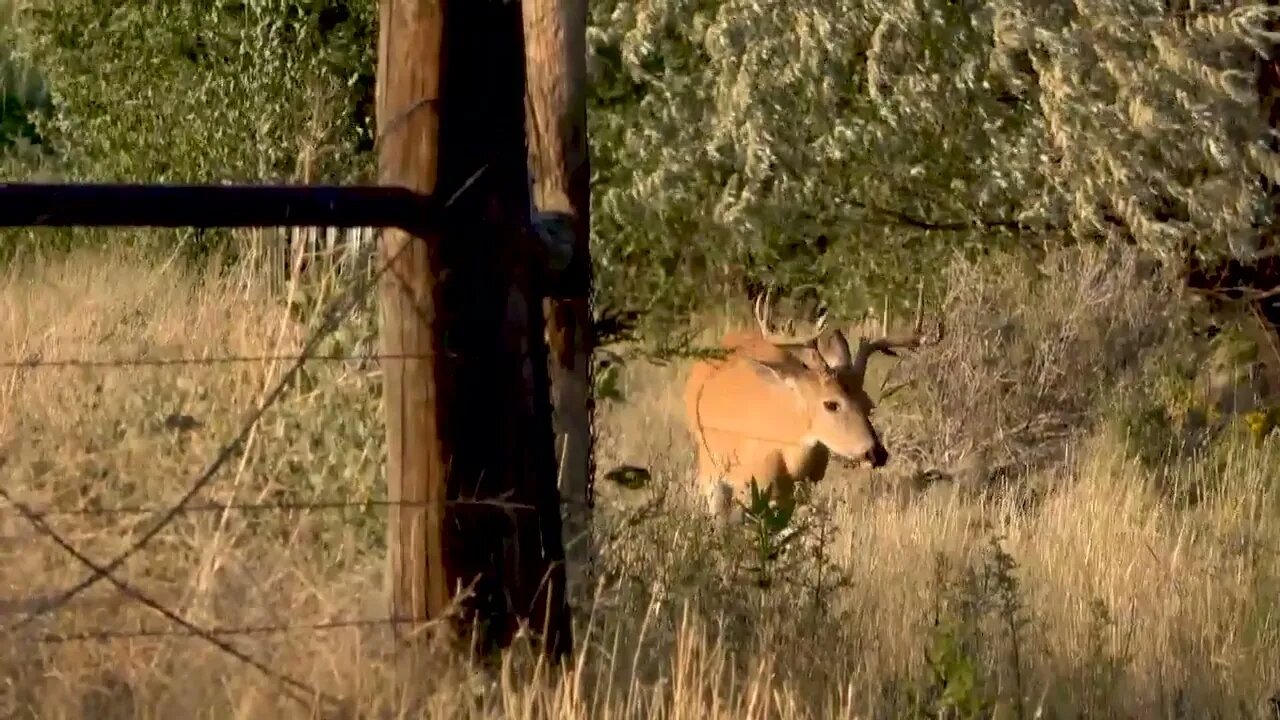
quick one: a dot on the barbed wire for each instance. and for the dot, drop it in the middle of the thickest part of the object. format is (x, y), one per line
(293, 688)
(338, 308)
(111, 635)
(333, 313)
(39, 363)
(248, 507)
(132, 362)
(275, 506)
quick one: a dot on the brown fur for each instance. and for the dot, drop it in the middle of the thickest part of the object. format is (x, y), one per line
(760, 414)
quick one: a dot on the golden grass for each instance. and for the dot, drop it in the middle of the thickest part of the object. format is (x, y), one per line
(1129, 600)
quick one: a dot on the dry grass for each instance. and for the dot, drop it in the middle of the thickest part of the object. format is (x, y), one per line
(1130, 597)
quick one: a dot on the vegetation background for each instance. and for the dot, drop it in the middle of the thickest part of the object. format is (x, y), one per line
(1081, 516)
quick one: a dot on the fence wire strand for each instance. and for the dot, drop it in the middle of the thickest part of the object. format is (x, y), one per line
(38, 363)
(295, 689)
(270, 506)
(240, 631)
(136, 362)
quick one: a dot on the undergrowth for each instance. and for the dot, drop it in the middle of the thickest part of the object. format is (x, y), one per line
(1083, 584)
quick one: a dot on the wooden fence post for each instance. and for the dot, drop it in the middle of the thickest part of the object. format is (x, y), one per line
(556, 123)
(468, 420)
(410, 44)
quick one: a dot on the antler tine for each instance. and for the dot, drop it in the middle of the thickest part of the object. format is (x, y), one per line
(761, 309)
(762, 313)
(886, 343)
(819, 323)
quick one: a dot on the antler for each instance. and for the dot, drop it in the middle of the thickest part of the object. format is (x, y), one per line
(886, 343)
(784, 340)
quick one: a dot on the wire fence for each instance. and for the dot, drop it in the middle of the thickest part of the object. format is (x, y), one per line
(34, 618)
(22, 617)
(160, 517)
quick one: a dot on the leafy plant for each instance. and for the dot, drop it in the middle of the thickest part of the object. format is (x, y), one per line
(975, 607)
(956, 689)
(769, 523)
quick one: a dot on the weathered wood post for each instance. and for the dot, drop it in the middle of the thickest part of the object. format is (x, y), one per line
(469, 442)
(556, 120)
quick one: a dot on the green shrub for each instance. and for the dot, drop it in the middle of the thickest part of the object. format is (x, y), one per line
(210, 91)
(852, 147)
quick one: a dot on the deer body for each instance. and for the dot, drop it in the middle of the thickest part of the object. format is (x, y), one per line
(775, 409)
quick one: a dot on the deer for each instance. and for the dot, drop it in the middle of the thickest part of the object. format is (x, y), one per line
(776, 407)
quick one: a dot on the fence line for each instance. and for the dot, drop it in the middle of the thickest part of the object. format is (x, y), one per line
(295, 689)
(281, 506)
(351, 249)
(241, 631)
(336, 310)
(37, 363)
(351, 253)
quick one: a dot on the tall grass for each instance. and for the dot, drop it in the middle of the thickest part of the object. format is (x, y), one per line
(1078, 580)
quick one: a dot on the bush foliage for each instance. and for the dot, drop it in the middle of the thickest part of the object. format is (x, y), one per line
(848, 145)
(264, 90)
(909, 129)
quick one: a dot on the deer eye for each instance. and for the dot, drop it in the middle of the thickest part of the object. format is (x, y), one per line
(831, 405)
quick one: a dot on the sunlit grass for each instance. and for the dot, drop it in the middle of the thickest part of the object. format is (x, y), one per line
(1124, 599)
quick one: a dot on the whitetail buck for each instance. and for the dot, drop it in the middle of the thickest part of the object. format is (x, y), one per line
(776, 407)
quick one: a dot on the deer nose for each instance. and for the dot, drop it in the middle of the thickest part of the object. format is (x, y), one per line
(877, 456)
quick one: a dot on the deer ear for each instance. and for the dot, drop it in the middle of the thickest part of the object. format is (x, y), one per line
(835, 350)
